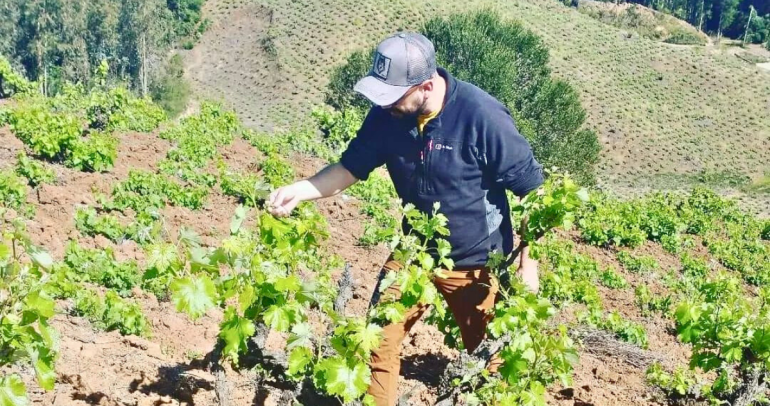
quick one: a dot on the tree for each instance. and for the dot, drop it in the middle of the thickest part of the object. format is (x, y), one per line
(187, 13)
(63, 40)
(748, 24)
(102, 37)
(727, 10)
(141, 27)
(36, 28)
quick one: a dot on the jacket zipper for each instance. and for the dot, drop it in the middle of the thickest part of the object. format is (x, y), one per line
(424, 161)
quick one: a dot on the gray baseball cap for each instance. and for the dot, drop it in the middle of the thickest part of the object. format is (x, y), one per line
(400, 62)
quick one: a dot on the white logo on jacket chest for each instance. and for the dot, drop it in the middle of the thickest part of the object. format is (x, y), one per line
(439, 147)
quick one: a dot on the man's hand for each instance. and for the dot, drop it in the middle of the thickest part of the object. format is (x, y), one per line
(527, 271)
(283, 200)
(527, 266)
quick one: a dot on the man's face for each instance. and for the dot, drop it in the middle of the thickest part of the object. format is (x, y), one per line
(411, 104)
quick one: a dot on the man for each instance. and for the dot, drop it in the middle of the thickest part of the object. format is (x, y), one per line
(442, 140)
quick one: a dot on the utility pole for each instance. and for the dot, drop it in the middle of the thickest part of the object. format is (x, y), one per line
(748, 24)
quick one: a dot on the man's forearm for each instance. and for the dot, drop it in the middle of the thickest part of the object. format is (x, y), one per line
(329, 181)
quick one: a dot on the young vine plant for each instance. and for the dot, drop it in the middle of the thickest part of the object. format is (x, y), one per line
(27, 338)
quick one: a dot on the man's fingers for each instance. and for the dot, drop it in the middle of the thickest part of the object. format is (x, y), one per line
(271, 198)
(281, 202)
(280, 197)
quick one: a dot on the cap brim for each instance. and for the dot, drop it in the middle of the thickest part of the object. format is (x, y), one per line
(379, 92)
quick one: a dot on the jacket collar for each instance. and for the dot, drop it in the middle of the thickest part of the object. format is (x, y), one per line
(449, 97)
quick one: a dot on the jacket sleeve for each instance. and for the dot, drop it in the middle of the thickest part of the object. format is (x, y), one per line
(508, 155)
(364, 152)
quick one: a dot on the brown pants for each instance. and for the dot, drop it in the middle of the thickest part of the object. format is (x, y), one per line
(470, 293)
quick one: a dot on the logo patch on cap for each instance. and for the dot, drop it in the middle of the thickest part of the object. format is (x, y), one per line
(381, 65)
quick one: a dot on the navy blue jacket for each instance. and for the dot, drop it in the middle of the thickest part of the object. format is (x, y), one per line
(468, 155)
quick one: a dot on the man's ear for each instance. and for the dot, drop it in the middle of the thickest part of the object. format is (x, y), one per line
(428, 85)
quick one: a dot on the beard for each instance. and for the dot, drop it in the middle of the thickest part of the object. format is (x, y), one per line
(403, 115)
(409, 113)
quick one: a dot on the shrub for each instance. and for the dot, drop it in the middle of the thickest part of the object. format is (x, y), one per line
(169, 90)
(12, 82)
(683, 36)
(338, 126)
(339, 92)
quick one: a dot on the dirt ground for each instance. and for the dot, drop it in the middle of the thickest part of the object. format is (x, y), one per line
(98, 368)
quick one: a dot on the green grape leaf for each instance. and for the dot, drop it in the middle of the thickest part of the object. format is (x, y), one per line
(443, 247)
(193, 295)
(310, 292)
(732, 353)
(571, 356)
(238, 218)
(301, 336)
(514, 366)
(388, 280)
(162, 256)
(41, 258)
(368, 338)
(45, 333)
(288, 284)
(5, 252)
(394, 312)
(278, 318)
(235, 331)
(299, 359)
(189, 237)
(40, 303)
(426, 261)
(497, 327)
(42, 360)
(369, 400)
(582, 194)
(200, 258)
(448, 263)
(12, 391)
(247, 297)
(535, 396)
(346, 381)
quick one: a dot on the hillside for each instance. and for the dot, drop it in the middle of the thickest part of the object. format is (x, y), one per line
(667, 115)
(168, 363)
(138, 261)
(645, 21)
